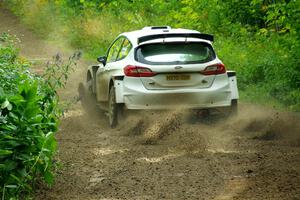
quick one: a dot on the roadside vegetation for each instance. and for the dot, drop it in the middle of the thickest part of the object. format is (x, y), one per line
(29, 119)
(257, 38)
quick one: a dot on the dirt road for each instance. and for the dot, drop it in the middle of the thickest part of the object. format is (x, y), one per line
(255, 155)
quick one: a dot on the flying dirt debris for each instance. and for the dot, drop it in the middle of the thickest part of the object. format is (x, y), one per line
(149, 155)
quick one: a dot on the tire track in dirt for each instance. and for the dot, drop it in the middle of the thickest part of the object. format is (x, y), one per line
(165, 155)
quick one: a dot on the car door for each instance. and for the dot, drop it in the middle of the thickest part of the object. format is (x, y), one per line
(104, 73)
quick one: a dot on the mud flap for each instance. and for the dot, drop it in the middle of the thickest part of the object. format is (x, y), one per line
(233, 84)
(119, 91)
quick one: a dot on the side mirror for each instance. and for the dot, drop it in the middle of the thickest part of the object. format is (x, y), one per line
(102, 59)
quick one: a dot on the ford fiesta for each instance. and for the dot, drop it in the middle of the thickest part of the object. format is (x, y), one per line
(159, 68)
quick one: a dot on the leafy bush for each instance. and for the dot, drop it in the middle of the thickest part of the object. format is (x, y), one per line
(29, 117)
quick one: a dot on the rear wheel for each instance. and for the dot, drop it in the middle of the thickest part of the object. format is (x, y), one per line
(234, 107)
(112, 108)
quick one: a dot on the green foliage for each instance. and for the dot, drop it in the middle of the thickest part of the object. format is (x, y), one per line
(57, 71)
(29, 117)
(28, 121)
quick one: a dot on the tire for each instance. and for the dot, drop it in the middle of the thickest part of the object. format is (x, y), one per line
(234, 107)
(86, 97)
(112, 108)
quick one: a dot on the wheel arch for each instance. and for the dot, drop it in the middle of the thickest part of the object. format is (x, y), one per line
(113, 79)
(111, 83)
(117, 83)
(91, 74)
(88, 76)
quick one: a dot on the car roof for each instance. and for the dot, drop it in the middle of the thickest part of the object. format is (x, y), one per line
(134, 35)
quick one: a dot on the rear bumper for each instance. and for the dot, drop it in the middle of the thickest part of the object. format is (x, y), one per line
(135, 96)
(177, 100)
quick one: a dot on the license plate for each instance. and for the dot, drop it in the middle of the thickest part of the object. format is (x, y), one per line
(178, 77)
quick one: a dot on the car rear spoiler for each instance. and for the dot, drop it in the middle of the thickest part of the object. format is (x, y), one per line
(170, 35)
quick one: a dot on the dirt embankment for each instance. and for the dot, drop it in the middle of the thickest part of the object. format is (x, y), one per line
(255, 155)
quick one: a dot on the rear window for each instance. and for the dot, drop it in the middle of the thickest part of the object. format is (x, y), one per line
(175, 53)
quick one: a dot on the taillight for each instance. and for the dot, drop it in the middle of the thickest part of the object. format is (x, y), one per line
(136, 71)
(214, 69)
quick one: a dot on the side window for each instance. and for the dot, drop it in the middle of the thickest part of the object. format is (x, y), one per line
(126, 47)
(114, 50)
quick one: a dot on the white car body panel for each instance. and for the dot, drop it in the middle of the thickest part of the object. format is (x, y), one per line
(233, 87)
(119, 91)
(136, 96)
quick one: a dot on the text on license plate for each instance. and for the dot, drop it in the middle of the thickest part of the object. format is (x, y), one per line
(178, 77)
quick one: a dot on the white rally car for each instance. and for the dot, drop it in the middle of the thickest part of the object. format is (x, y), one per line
(159, 68)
